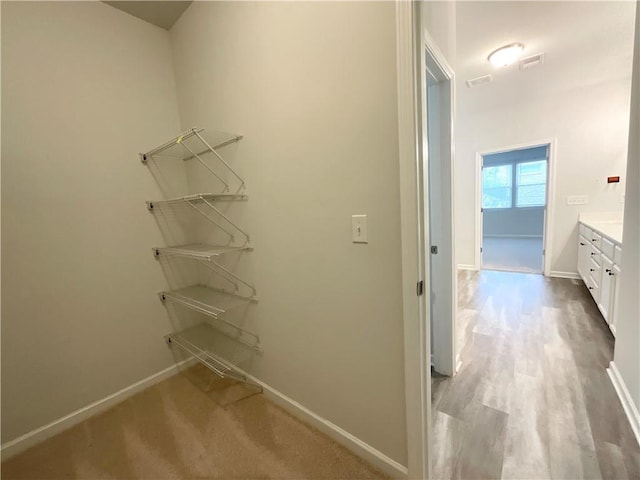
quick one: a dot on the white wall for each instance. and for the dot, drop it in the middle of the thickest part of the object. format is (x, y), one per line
(516, 222)
(440, 20)
(312, 87)
(579, 96)
(627, 351)
(85, 88)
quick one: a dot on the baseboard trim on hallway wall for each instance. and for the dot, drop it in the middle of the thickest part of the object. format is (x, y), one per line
(625, 398)
(41, 434)
(464, 266)
(558, 274)
(351, 442)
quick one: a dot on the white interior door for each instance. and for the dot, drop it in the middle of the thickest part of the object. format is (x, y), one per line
(439, 247)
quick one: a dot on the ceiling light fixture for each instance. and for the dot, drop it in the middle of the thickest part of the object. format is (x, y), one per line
(506, 55)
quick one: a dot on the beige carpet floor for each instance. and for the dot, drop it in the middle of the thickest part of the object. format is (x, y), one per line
(191, 425)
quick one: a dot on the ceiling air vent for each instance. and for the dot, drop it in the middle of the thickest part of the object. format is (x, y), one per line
(474, 82)
(532, 61)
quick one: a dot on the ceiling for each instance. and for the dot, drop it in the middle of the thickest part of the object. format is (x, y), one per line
(161, 13)
(584, 42)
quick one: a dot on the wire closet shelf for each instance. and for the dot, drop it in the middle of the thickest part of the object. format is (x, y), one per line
(213, 362)
(190, 144)
(203, 204)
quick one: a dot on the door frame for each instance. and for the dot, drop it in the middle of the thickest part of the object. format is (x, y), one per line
(414, 312)
(444, 357)
(550, 199)
(411, 92)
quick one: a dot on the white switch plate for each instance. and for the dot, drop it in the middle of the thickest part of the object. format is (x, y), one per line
(359, 232)
(577, 199)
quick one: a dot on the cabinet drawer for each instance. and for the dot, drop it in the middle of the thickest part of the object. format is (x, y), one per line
(594, 253)
(607, 248)
(596, 239)
(617, 255)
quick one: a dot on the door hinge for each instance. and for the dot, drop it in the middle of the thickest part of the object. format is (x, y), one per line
(420, 288)
(480, 249)
(482, 210)
(434, 249)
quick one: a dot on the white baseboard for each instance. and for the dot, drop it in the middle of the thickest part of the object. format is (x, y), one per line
(363, 450)
(344, 438)
(38, 435)
(558, 274)
(625, 398)
(464, 266)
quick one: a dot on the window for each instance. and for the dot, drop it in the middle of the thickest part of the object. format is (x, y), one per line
(519, 184)
(497, 186)
(531, 179)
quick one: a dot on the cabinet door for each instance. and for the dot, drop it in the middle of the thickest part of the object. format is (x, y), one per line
(606, 287)
(615, 288)
(583, 257)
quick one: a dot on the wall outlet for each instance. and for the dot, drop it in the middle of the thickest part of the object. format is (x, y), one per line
(577, 199)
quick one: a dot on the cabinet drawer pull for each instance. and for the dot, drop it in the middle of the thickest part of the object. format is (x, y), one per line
(583, 244)
(592, 269)
(611, 274)
(607, 269)
(594, 239)
(593, 253)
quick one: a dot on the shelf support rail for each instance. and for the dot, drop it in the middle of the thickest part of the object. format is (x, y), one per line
(210, 265)
(204, 164)
(212, 220)
(220, 158)
(210, 205)
(203, 308)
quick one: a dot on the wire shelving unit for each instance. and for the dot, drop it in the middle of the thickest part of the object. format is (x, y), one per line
(213, 303)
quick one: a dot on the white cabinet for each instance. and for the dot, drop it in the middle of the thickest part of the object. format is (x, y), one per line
(615, 287)
(599, 260)
(606, 288)
(583, 257)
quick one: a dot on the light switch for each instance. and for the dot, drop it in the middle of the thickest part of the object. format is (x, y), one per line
(577, 199)
(359, 229)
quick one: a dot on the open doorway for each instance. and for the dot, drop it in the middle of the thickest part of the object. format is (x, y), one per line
(514, 192)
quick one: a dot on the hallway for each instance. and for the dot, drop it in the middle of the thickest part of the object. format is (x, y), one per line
(532, 399)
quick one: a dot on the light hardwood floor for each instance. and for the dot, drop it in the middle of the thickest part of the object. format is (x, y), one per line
(532, 399)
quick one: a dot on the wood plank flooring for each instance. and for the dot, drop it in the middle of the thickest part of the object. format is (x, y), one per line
(532, 399)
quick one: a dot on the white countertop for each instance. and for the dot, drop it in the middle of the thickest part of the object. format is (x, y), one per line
(606, 224)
